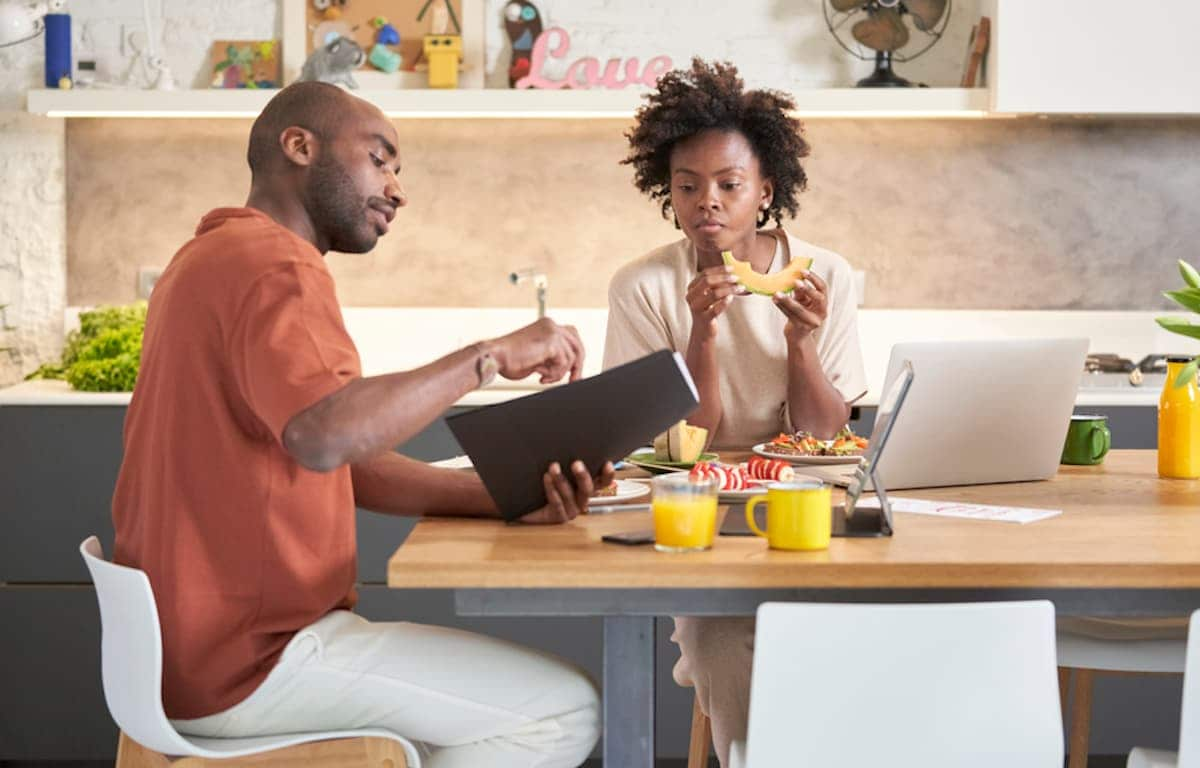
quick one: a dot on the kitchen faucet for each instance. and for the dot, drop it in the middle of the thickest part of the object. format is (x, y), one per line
(539, 282)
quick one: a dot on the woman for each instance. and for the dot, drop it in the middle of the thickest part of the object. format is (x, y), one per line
(726, 161)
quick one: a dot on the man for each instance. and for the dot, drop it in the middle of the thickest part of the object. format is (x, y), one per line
(251, 437)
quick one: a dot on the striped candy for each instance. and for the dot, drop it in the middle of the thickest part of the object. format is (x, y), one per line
(761, 468)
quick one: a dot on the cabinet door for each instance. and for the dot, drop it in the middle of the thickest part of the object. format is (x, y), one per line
(53, 706)
(58, 467)
(1085, 56)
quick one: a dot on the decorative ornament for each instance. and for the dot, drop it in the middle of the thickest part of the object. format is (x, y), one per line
(585, 72)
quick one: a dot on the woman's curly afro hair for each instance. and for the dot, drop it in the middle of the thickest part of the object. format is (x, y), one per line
(712, 97)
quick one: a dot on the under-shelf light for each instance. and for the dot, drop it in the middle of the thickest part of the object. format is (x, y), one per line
(516, 114)
(814, 105)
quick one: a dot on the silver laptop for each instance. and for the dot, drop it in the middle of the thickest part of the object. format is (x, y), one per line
(981, 411)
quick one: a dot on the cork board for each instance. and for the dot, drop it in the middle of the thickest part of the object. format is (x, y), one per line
(355, 18)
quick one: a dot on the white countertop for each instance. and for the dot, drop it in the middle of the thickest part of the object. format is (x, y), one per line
(53, 392)
(387, 342)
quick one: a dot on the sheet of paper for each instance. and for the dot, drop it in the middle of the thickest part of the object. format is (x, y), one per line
(1019, 515)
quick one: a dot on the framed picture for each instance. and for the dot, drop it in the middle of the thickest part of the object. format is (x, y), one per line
(245, 64)
(308, 24)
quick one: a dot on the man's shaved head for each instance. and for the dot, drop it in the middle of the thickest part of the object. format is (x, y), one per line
(318, 148)
(317, 107)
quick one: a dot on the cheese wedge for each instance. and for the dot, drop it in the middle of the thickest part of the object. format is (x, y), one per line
(681, 443)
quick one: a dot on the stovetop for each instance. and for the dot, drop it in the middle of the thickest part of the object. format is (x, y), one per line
(1107, 371)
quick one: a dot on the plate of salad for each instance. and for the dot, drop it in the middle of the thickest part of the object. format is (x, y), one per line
(803, 448)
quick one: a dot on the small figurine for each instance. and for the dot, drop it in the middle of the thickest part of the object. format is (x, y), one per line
(523, 25)
(386, 33)
(384, 59)
(443, 52)
(331, 10)
(334, 63)
(382, 56)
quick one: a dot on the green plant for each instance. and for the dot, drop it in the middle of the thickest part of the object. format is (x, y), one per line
(1188, 298)
(104, 354)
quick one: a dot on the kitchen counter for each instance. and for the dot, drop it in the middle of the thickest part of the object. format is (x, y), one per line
(386, 342)
(45, 392)
(48, 392)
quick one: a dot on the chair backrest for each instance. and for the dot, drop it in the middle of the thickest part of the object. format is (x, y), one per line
(1189, 721)
(935, 686)
(131, 652)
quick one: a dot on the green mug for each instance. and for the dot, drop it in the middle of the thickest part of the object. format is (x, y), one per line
(1088, 440)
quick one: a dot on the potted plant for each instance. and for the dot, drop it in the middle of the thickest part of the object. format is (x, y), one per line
(1188, 298)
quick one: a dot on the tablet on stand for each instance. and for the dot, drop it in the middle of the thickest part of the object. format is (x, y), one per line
(850, 519)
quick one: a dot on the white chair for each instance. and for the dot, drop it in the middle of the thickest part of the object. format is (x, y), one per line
(935, 686)
(1082, 657)
(1189, 719)
(131, 661)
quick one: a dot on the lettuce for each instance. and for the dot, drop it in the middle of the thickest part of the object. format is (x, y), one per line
(104, 354)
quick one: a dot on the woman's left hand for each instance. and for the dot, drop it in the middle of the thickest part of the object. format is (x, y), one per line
(805, 308)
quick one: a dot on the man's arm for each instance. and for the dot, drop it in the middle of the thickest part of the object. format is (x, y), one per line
(397, 485)
(371, 415)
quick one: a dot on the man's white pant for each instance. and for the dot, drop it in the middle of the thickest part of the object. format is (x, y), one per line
(467, 700)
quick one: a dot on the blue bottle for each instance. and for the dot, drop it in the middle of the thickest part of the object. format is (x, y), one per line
(58, 48)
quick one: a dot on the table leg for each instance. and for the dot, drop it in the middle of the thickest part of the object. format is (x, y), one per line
(629, 691)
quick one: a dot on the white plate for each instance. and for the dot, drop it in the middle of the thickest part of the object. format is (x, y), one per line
(626, 491)
(763, 449)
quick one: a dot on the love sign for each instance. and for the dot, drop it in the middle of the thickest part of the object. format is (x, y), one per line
(586, 72)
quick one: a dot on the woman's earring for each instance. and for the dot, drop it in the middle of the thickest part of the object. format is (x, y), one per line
(763, 218)
(676, 217)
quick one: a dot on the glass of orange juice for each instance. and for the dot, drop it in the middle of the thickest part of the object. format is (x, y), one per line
(685, 513)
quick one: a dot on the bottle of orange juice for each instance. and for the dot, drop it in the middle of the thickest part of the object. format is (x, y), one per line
(1179, 424)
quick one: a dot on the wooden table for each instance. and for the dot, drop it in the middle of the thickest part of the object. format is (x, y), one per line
(1127, 544)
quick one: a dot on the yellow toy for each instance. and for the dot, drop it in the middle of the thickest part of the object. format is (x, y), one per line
(443, 52)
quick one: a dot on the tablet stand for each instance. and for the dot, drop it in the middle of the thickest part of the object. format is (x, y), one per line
(852, 521)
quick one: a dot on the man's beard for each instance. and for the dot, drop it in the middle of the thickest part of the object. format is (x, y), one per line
(337, 210)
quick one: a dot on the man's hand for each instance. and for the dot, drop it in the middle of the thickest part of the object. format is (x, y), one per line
(564, 500)
(708, 295)
(544, 347)
(806, 308)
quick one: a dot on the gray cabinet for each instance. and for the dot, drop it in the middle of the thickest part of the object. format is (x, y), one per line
(57, 470)
(51, 701)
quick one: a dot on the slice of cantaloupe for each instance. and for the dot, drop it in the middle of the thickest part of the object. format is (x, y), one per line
(682, 443)
(783, 281)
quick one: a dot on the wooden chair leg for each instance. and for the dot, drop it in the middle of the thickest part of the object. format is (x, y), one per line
(130, 754)
(701, 741)
(1064, 683)
(1081, 717)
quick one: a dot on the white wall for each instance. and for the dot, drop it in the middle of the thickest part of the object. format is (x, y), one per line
(33, 250)
(777, 43)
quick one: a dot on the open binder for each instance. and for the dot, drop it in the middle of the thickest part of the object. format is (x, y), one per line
(593, 420)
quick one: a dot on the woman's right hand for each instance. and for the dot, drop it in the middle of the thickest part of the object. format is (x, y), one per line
(709, 295)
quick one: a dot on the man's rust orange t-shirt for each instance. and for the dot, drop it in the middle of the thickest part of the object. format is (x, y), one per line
(243, 546)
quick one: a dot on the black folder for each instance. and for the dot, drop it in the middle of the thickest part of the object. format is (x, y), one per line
(593, 420)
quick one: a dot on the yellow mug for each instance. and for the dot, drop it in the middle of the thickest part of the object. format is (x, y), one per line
(798, 515)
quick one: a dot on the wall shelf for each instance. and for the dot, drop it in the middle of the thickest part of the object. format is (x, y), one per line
(499, 103)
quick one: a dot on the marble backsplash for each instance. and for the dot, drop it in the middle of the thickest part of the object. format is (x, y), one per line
(985, 214)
